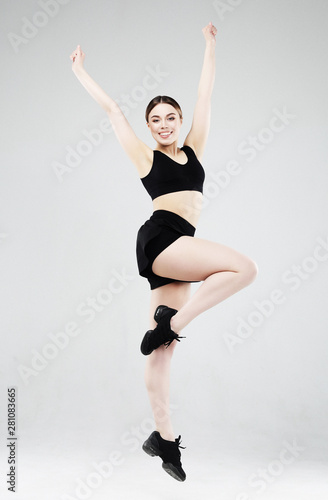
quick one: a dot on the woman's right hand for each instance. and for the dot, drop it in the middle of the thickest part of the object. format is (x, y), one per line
(77, 58)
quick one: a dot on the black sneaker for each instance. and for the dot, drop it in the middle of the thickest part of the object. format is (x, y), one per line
(168, 451)
(162, 334)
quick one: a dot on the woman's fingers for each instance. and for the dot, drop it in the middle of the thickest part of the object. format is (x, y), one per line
(210, 31)
(213, 29)
(77, 53)
(73, 55)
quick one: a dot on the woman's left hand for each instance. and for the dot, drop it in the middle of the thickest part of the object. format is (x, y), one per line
(209, 33)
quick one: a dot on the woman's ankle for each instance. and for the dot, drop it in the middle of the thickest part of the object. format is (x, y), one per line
(174, 324)
(177, 322)
(166, 435)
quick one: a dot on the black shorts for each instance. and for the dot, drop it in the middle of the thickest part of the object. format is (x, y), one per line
(162, 229)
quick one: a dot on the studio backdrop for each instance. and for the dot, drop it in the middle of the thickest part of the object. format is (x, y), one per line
(251, 375)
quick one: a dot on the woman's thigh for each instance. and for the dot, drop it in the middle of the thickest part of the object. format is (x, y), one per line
(194, 259)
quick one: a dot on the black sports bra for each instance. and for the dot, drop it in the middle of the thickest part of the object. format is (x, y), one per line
(168, 176)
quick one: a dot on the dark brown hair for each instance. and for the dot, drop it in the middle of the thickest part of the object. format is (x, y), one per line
(162, 98)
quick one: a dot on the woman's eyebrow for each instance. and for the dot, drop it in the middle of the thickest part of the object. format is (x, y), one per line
(157, 116)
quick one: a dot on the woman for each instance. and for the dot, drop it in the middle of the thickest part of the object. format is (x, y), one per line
(168, 254)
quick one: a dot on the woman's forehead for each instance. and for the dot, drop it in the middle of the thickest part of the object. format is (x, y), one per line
(163, 108)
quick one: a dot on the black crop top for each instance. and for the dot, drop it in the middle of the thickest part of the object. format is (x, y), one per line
(168, 176)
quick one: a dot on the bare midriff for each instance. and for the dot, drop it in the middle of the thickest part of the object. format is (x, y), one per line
(187, 204)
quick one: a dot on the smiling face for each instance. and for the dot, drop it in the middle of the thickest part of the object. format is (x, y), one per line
(164, 123)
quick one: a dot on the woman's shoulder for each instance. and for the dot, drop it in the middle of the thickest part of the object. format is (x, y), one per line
(190, 148)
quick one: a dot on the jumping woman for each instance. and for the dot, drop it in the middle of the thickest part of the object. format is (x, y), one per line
(168, 254)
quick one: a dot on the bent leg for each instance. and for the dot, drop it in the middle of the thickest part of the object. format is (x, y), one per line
(223, 270)
(158, 363)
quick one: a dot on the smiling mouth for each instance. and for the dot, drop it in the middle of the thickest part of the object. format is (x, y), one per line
(165, 134)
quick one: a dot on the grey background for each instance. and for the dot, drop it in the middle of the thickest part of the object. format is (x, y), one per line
(63, 239)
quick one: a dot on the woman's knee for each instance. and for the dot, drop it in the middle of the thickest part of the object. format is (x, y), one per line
(249, 271)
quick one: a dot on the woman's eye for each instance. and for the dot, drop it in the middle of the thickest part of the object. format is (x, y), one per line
(172, 118)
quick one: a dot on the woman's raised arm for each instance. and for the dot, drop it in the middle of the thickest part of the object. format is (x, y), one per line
(199, 131)
(140, 154)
